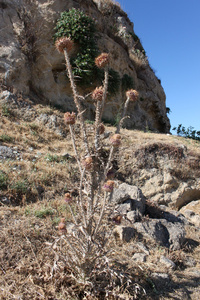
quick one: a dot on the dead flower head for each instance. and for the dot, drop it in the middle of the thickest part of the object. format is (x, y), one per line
(132, 95)
(101, 128)
(98, 94)
(108, 186)
(70, 118)
(68, 198)
(64, 43)
(115, 140)
(102, 60)
(87, 163)
(62, 226)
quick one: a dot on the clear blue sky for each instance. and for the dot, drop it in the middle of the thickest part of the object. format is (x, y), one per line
(170, 34)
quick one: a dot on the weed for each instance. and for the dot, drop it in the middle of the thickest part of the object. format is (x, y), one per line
(5, 110)
(44, 212)
(6, 138)
(20, 187)
(3, 180)
(52, 158)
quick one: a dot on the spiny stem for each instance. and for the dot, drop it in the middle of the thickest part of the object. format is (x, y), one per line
(75, 148)
(123, 115)
(76, 100)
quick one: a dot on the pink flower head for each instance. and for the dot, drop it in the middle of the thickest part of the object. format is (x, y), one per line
(98, 94)
(70, 118)
(62, 226)
(108, 186)
(115, 140)
(102, 60)
(87, 163)
(64, 43)
(132, 95)
(68, 198)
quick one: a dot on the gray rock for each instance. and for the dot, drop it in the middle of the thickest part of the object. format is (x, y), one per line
(139, 257)
(168, 234)
(124, 233)
(160, 276)
(7, 153)
(130, 198)
(167, 262)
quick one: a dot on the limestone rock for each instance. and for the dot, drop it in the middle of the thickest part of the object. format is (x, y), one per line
(166, 233)
(29, 62)
(167, 262)
(130, 199)
(192, 212)
(124, 233)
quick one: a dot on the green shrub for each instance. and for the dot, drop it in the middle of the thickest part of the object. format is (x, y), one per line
(187, 133)
(20, 187)
(127, 82)
(81, 29)
(6, 138)
(3, 180)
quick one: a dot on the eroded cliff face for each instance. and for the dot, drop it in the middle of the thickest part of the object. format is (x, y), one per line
(30, 63)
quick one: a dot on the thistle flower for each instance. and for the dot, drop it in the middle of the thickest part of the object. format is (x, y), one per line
(70, 118)
(68, 198)
(62, 227)
(110, 174)
(98, 94)
(101, 128)
(132, 95)
(115, 140)
(108, 186)
(87, 163)
(117, 219)
(102, 60)
(64, 43)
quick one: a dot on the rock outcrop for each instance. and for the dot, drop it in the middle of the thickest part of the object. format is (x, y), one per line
(30, 64)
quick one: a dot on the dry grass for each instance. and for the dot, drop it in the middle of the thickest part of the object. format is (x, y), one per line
(32, 253)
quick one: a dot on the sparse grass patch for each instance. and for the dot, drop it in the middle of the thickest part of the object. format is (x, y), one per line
(3, 180)
(6, 138)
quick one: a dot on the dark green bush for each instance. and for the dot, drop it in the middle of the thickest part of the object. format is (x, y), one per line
(3, 180)
(81, 29)
(127, 82)
(188, 133)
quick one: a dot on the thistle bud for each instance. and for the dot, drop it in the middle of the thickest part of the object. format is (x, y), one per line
(87, 163)
(64, 43)
(68, 198)
(98, 94)
(115, 140)
(62, 227)
(108, 186)
(110, 174)
(101, 128)
(132, 95)
(117, 219)
(70, 118)
(102, 60)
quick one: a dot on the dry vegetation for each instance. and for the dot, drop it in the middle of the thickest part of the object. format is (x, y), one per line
(32, 253)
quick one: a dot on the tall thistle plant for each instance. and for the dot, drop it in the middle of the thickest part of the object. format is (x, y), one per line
(90, 210)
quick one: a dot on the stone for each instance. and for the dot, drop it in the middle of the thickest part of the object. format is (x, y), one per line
(129, 198)
(7, 153)
(124, 233)
(168, 234)
(167, 262)
(139, 257)
(30, 63)
(192, 212)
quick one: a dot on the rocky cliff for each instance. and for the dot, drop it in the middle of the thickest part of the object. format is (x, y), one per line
(30, 64)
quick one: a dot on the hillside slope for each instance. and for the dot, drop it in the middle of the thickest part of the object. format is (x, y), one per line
(30, 64)
(159, 252)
